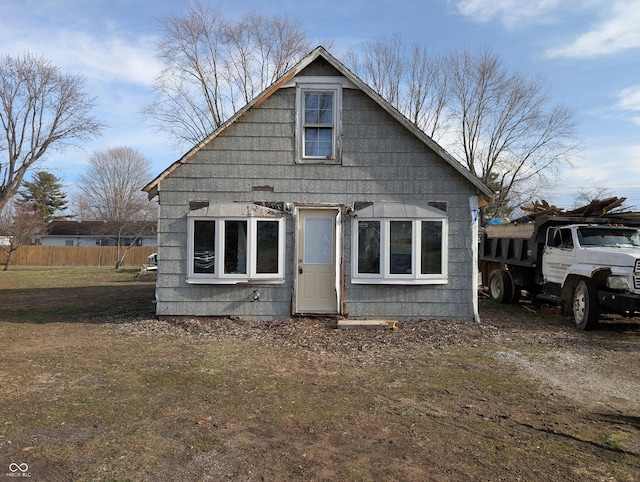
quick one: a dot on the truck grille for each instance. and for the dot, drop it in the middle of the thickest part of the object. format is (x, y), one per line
(636, 275)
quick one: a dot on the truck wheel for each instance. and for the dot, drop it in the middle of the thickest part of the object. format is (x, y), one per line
(586, 308)
(501, 286)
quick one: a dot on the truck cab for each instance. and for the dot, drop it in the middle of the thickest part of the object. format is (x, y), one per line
(591, 267)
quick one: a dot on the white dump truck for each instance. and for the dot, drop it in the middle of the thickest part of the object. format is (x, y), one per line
(587, 266)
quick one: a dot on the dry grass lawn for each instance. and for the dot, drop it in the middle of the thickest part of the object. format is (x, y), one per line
(94, 388)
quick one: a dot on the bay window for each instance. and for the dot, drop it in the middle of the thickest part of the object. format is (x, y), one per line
(230, 250)
(394, 250)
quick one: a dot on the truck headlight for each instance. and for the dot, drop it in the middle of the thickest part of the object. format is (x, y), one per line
(618, 283)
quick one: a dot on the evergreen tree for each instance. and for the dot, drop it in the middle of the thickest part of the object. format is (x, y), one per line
(44, 194)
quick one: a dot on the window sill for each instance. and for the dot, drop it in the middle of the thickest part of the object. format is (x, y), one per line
(318, 160)
(233, 281)
(398, 281)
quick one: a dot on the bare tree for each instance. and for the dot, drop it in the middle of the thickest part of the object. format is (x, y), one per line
(40, 109)
(18, 225)
(111, 183)
(411, 81)
(501, 125)
(426, 100)
(587, 194)
(383, 61)
(215, 65)
(110, 191)
(507, 132)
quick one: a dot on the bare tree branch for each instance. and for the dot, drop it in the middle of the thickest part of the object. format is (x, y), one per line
(40, 109)
(412, 82)
(18, 225)
(500, 125)
(215, 65)
(110, 187)
(110, 191)
(510, 136)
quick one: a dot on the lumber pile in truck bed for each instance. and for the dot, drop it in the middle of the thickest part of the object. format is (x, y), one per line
(598, 208)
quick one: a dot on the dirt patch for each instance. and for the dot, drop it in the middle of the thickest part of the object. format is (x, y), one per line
(146, 275)
(585, 366)
(586, 391)
(521, 396)
(588, 379)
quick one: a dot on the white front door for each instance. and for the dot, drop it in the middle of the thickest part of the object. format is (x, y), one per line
(317, 273)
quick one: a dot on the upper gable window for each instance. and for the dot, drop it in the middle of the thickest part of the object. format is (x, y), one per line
(318, 115)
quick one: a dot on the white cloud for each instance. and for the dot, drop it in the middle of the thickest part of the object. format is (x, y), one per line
(111, 58)
(613, 167)
(511, 13)
(97, 47)
(618, 32)
(627, 108)
(108, 59)
(630, 98)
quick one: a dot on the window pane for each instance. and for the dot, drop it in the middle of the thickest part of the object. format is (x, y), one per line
(318, 240)
(267, 255)
(431, 249)
(235, 247)
(318, 141)
(369, 247)
(311, 107)
(204, 233)
(400, 249)
(318, 124)
(318, 108)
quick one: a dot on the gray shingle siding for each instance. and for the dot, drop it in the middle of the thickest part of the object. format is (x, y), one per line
(380, 161)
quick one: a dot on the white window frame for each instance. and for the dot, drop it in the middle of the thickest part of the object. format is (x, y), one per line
(321, 88)
(251, 275)
(385, 276)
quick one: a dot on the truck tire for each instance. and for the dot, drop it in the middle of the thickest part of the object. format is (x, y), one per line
(501, 286)
(586, 307)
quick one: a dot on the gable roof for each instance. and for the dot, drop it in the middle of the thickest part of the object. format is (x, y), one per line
(484, 191)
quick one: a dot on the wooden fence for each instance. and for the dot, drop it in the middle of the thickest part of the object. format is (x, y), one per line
(77, 256)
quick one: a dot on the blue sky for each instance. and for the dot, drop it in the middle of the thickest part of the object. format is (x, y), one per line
(587, 50)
